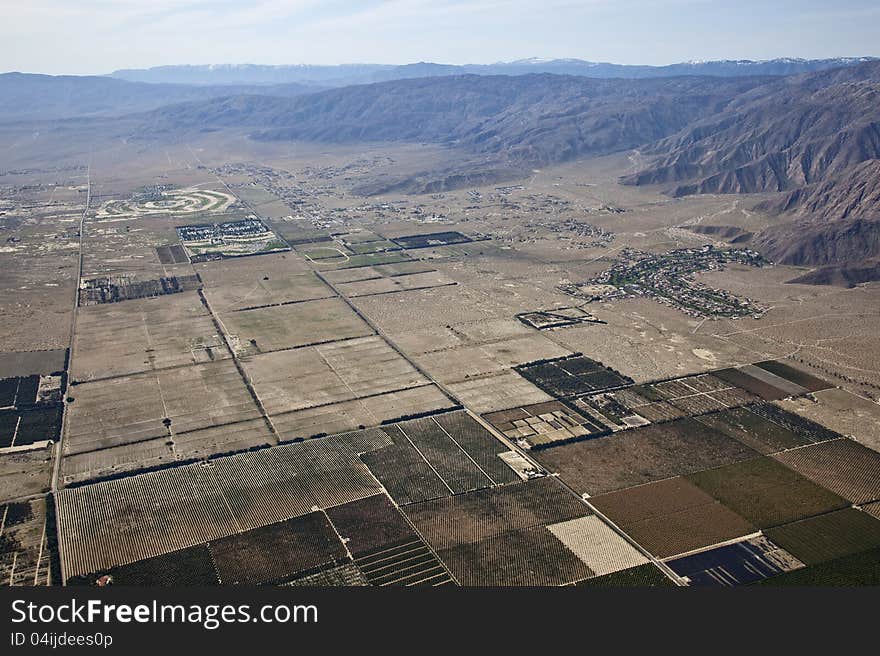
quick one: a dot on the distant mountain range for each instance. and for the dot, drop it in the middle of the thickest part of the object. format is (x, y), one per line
(25, 96)
(524, 120)
(811, 139)
(347, 74)
(814, 138)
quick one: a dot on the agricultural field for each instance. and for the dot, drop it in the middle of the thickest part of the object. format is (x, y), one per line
(25, 473)
(180, 413)
(662, 401)
(842, 466)
(206, 503)
(397, 389)
(672, 517)
(438, 456)
(502, 536)
(361, 380)
(841, 411)
(641, 455)
(25, 555)
(766, 492)
(237, 284)
(830, 536)
(117, 339)
(641, 576)
(572, 375)
(294, 325)
(30, 410)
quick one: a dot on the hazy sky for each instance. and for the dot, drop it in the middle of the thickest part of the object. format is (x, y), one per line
(98, 36)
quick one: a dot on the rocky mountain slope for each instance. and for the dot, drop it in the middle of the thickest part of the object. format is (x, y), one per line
(854, 194)
(781, 136)
(814, 139)
(517, 120)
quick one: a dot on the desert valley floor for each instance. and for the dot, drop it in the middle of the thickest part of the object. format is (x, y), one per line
(223, 363)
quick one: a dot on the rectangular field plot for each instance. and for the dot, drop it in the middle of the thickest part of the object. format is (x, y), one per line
(739, 563)
(641, 455)
(407, 563)
(473, 517)
(759, 382)
(826, 537)
(859, 569)
(643, 576)
(396, 283)
(760, 388)
(404, 472)
(464, 362)
(24, 548)
(370, 525)
(755, 431)
(524, 557)
(438, 456)
(31, 409)
(346, 575)
(248, 271)
(452, 463)
(324, 259)
(843, 466)
(572, 375)
(186, 567)
(19, 391)
(173, 254)
(544, 425)
(28, 363)
(116, 339)
(766, 492)
(431, 239)
(132, 409)
(125, 520)
(272, 485)
(497, 391)
(112, 461)
(406, 268)
(278, 552)
(597, 545)
(129, 519)
(842, 411)
(768, 377)
(794, 375)
(278, 327)
(330, 373)
(805, 428)
(299, 231)
(672, 517)
(367, 411)
(479, 444)
(24, 427)
(25, 473)
(255, 289)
